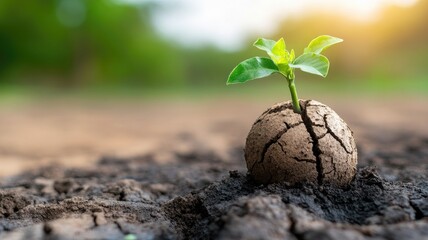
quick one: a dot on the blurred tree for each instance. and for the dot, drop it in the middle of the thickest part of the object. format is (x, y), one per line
(84, 43)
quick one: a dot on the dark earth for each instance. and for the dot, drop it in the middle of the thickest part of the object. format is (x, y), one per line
(202, 193)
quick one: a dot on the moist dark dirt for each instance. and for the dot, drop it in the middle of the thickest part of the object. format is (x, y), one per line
(204, 195)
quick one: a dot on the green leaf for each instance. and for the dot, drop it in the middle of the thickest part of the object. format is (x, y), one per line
(252, 68)
(285, 69)
(265, 45)
(278, 52)
(320, 43)
(312, 63)
(292, 56)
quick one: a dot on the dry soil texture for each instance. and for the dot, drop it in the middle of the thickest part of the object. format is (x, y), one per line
(195, 191)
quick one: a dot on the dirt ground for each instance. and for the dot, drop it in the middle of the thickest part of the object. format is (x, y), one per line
(176, 171)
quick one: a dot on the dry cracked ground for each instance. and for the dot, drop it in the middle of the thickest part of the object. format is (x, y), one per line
(176, 171)
(316, 145)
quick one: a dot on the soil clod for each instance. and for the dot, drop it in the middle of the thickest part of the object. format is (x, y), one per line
(314, 146)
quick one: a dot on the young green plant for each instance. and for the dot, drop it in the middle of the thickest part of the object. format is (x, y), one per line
(284, 62)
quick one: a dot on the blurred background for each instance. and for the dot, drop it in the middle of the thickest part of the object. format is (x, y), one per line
(149, 47)
(85, 78)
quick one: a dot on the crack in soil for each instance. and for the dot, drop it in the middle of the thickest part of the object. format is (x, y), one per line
(315, 146)
(308, 160)
(277, 109)
(333, 134)
(323, 135)
(270, 143)
(282, 147)
(296, 158)
(418, 213)
(276, 139)
(304, 160)
(273, 141)
(269, 111)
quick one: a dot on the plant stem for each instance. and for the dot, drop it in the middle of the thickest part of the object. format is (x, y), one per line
(294, 97)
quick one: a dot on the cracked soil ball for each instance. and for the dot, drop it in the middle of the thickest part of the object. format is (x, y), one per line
(315, 146)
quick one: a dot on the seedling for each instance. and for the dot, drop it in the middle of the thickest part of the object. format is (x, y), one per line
(301, 140)
(284, 62)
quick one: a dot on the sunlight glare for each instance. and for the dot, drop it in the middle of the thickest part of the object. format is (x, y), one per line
(228, 24)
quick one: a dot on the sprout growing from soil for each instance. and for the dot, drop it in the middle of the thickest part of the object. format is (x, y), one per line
(284, 62)
(300, 140)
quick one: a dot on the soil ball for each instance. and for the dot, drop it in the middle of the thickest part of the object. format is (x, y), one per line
(315, 146)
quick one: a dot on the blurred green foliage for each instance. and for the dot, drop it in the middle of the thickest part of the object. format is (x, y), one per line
(106, 44)
(113, 45)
